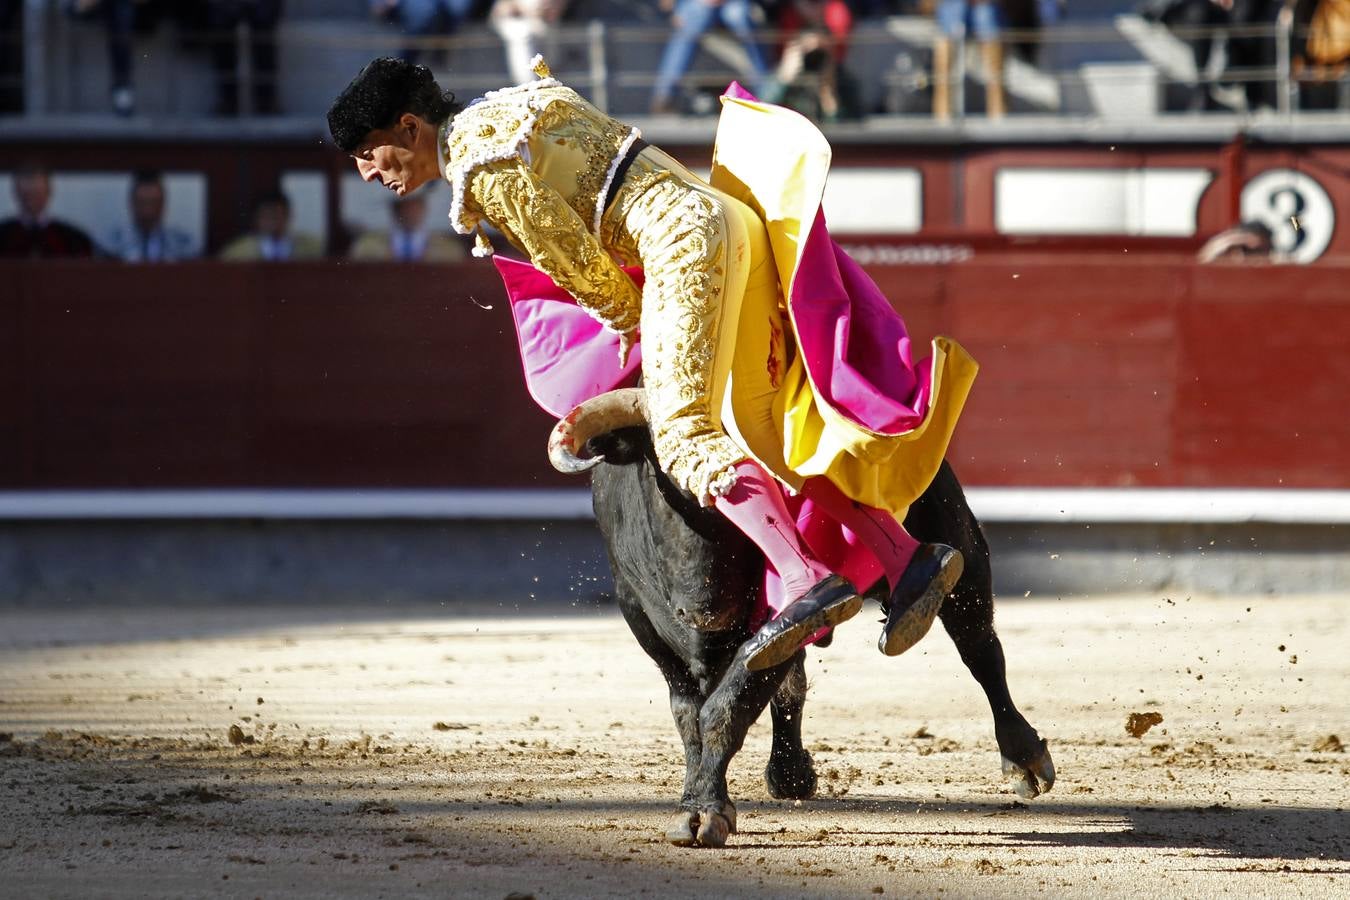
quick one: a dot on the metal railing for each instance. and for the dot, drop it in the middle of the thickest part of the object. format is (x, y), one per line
(613, 63)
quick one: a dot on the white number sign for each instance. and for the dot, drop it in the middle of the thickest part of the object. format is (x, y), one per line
(1295, 208)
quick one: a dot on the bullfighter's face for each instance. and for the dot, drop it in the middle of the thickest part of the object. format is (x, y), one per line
(402, 157)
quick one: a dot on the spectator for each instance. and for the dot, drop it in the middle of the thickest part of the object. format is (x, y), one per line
(123, 19)
(222, 21)
(1248, 242)
(146, 238)
(1027, 18)
(33, 234)
(815, 39)
(271, 239)
(423, 18)
(409, 240)
(1200, 23)
(1326, 52)
(523, 25)
(1248, 53)
(691, 19)
(11, 56)
(958, 19)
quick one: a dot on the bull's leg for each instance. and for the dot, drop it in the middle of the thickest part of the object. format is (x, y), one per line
(790, 774)
(727, 714)
(968, 616)
(685, 702)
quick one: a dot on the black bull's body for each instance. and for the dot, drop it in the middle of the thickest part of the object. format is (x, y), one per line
(686, 581)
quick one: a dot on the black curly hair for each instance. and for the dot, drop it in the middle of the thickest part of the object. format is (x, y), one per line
(385, 89)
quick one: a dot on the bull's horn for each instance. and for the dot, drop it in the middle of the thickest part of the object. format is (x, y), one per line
(623, 408)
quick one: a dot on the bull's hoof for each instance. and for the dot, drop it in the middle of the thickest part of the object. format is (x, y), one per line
(1033, 779)
(708, 827)
(682, 829)
(715, 826)
(792, 778)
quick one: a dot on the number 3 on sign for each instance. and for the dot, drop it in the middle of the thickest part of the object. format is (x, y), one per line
(1295, 208)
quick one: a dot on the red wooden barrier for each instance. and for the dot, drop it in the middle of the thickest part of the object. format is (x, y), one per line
(1147, 372)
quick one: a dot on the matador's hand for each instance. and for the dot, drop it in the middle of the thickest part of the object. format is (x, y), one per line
(627, 341)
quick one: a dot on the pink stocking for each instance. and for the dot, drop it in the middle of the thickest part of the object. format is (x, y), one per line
(876, 528)
(755, 506)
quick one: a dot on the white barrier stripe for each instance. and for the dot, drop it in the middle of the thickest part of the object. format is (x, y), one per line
(1118, 505)
(1149, 505)
(504, 504)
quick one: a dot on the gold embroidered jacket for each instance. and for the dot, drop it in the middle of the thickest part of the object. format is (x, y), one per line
(534, 161)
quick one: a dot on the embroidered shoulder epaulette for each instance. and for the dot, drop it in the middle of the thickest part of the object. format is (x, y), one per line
(494, 127)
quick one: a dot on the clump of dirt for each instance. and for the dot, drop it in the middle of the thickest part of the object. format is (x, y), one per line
(1329, 744)
(450, 726)
(199, 793)
(987, 867)
(237, 736)
(377, 807)
(1138, 724)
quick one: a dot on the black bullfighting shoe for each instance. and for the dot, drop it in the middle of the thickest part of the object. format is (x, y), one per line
(831, 601)
(914, 604)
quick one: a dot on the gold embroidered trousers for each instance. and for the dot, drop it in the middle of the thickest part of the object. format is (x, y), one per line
(710, 318)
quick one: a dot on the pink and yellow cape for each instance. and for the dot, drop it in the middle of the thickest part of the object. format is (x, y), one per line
(854, 406)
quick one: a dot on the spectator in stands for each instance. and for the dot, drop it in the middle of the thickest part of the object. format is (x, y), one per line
(123, 19)
(1248, 53)
(691, 18)
(222, 19)
(1248, 242)
(33, 234)
(815, 39)
(409, 240)
(146, 239)
(1027, 18)
(1325, 53)
(271, 239)
(523, 25)
(11, 56)
(1199, 25)
(423, 18)
(958, 20)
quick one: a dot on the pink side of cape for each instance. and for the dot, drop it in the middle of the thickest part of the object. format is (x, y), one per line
(568, 356)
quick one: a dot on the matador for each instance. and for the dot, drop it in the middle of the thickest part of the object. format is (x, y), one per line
(754, 386)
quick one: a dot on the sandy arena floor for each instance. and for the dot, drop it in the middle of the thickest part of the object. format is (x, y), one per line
(306, 753)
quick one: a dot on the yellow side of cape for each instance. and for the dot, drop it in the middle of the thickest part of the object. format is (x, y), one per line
(776, 162)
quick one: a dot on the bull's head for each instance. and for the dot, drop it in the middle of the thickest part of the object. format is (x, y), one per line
(624, 408)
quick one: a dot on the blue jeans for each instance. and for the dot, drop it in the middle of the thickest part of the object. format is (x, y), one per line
(696, 17)
(982, 21)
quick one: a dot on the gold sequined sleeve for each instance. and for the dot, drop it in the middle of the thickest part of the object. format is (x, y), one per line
(538, 221)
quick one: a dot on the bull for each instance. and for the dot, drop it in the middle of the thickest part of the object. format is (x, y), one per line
(687, 581)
